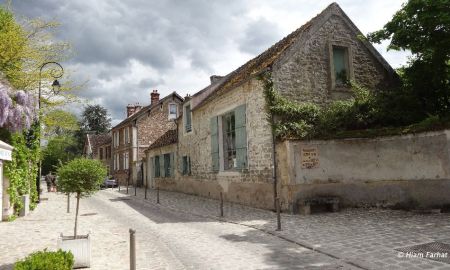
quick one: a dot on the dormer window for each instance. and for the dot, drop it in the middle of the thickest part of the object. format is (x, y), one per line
(173, 111)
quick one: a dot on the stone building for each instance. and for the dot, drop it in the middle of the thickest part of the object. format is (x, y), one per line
(224, 141)
(98, 146)
(142, 127)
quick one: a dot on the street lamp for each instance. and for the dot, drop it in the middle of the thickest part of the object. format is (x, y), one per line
(56, 72)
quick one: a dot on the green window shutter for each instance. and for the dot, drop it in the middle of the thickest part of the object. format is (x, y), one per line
(241, 137)
(152, 161)
(172, 165)
(162, 170)
(214, 144)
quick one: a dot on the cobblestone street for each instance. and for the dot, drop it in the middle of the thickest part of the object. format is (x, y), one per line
(185, 232)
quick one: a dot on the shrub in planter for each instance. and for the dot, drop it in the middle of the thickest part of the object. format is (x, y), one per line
(46, 260)
(82, 177)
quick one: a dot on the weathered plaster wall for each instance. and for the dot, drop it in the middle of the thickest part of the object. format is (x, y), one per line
(383, 171)
(303, 74)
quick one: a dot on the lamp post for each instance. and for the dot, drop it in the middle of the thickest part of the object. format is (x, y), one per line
(56, 72)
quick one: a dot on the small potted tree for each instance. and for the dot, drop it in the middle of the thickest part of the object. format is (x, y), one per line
(83, 178)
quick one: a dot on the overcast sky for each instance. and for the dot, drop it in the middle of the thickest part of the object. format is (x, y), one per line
(126, 48)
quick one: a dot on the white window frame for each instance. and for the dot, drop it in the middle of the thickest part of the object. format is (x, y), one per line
(170, 115)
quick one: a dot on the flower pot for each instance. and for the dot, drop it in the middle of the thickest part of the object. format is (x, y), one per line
(80, 248)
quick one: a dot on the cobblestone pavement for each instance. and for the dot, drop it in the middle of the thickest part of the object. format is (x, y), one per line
(168, 236)
(367, 238)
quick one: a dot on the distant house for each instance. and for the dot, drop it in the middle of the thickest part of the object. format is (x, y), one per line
(142, 127)
(98, 146)
(224, 141)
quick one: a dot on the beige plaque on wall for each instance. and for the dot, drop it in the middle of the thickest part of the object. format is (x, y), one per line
(310, 157)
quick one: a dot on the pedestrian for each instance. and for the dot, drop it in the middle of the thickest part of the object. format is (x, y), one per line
(48, 180)
(53, 183)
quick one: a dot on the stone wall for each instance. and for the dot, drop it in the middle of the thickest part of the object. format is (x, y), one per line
(303, 74)
(252, 186)
(409, 170)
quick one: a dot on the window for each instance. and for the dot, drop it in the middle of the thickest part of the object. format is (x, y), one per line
(187, 118)
(173, 111)
(341, 66)
(156, 167)
(167, 165)
(125, 161)
(229, 140)
(186, 169)
(115, 162)
(127, 138)
(100, 150)
(116, 139)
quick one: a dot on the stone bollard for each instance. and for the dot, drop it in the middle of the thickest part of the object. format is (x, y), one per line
(221, 204)
(278, 214)
(157, 195)
(68, 202)
(132, 250)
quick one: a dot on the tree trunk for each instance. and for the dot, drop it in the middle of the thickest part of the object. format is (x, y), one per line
(76, 217)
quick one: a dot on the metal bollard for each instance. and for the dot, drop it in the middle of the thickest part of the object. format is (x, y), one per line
(145, 196)
(68, 202)
(278, 214)
(157, 195)
(119, 186)
(221, 204)
(135, 189)
(132, 250)
(128, 183)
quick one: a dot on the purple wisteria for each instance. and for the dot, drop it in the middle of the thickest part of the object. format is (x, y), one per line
(17, 109)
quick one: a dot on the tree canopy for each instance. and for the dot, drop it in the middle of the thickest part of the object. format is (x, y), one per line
(423, 27)
(95, 118)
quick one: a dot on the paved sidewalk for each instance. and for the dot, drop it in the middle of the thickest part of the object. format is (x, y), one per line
(367, 238)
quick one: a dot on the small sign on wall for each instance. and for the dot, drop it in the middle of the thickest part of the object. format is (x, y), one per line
(309, 157)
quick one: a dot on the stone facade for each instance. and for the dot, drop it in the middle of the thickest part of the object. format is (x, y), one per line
(302, 70)
(133, 136)
(305, 74)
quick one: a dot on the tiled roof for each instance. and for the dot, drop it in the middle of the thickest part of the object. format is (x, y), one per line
(97, 140)
(170, 137)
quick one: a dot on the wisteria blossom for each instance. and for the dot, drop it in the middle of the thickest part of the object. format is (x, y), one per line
(17, 109)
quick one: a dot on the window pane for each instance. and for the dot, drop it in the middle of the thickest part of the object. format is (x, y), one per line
(229, 140)
(157, 173)
(167, 164)
(340, 64)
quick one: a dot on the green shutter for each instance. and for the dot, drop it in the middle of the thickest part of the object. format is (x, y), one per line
(162, 171)
(172, 165)
(241, 137)
(152, 161)
(214, 144)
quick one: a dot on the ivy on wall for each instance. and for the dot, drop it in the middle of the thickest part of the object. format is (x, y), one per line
(365, 114)
(22, 171)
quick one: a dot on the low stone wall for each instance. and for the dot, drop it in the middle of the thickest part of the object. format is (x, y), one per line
(396, 171)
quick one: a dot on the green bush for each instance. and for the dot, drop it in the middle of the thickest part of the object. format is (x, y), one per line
(46, 260)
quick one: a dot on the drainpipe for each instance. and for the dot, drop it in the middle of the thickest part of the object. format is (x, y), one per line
(274, 171)
(137, 145)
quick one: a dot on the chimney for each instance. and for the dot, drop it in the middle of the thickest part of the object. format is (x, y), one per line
(137, 107)
(187, 97)
(215, 78)
(154, 97)
(131, 109)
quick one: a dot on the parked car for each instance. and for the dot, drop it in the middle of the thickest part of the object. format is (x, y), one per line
(109, 183)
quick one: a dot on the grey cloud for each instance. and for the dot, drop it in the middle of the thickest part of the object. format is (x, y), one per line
(258, 36)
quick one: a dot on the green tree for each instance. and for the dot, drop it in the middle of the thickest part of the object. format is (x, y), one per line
(59, 122)
(423, 27)
(59, 150)
(95, 118)
(82, 177)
